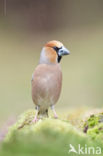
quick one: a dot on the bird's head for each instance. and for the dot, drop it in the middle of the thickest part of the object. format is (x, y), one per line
(52, 52)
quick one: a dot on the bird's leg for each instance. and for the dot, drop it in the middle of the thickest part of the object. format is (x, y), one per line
(54, 112)
(36, 114)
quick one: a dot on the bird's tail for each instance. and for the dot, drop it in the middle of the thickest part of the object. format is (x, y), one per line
(43, 113)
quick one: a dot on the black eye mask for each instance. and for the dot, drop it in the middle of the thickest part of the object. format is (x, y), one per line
(57, 49)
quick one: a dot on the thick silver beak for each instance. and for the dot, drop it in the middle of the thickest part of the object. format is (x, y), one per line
(63, 51)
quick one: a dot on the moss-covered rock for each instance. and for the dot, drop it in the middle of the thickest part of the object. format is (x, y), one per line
(46, 137)
(93, 126)
(24, 125)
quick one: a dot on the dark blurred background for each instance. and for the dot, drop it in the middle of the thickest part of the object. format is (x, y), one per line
(25, 26)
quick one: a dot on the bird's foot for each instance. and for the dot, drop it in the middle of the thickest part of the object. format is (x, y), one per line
(55, 116)
(54, 112)
(36, 114)
(34, 120)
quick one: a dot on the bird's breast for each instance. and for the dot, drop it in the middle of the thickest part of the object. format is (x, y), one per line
(46, 84)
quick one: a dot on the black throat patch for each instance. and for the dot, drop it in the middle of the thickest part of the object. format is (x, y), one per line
(59, 58)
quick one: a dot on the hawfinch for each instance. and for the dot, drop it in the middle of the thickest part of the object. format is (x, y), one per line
(47, 78)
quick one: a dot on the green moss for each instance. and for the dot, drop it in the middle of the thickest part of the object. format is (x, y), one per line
(47, 137)
(93, 126)
(24, 125)
(93, 120)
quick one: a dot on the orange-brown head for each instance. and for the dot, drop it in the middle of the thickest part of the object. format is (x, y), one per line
(53, 52)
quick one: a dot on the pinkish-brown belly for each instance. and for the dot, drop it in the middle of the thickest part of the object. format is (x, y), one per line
(46, 87)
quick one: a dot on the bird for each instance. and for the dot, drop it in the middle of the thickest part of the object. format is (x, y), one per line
(47, 79)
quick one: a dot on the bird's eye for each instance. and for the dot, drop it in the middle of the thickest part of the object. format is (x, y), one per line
(56, 48)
